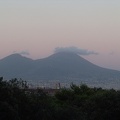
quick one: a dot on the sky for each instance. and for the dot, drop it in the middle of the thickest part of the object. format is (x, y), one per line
(35, 28)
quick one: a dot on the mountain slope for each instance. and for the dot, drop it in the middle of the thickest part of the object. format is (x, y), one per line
(15, 65)
(62, 66)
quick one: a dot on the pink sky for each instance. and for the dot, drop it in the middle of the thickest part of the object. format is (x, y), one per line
(40, 26)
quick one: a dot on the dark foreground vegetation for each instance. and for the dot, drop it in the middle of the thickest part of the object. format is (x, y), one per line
(76, 103)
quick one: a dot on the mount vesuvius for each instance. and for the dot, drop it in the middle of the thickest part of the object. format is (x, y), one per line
(62, 66)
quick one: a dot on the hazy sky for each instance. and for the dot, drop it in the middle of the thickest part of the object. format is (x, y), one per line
(37, 27)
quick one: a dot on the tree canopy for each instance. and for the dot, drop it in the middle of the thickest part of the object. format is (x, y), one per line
(76, 103)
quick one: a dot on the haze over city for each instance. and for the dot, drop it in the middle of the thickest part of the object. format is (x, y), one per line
(37, 28)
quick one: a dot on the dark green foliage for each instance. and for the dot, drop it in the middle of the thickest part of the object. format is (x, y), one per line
(18, 102)
(91, 103)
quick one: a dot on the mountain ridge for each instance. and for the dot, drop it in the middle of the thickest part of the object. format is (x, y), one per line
(61, 66)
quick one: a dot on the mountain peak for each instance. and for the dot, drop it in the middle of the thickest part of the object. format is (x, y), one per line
(63, 66)
(68, 55)
(15, 57)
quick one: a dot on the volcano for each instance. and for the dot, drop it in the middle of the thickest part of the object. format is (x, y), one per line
(63, 66)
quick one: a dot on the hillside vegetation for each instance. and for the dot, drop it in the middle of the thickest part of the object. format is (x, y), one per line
(75, 103)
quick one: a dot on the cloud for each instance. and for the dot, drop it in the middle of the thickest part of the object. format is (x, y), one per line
(111, 53)
(22, 52)
(75, 50)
